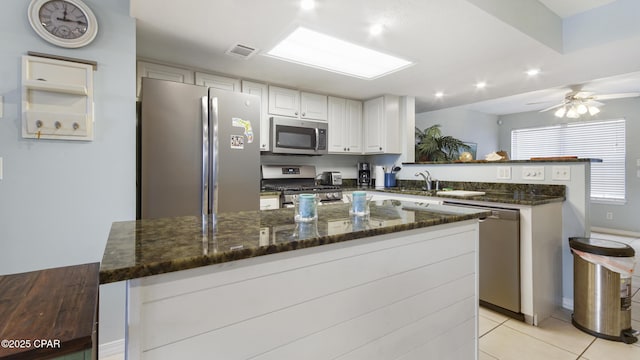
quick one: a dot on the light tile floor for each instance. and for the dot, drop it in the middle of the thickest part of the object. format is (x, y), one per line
(504, 338)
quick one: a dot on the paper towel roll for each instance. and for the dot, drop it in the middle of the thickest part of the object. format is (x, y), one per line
(379, 172)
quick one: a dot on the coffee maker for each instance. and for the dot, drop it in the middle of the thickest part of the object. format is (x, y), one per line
(364, 175)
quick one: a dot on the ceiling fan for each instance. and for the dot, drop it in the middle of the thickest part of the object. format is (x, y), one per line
(577, 102)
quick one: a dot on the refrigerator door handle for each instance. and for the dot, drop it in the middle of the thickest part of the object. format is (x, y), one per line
(317, 139)
(205, 158)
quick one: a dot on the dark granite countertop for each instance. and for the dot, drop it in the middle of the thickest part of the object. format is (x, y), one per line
(536, 160)
(513, 197)
(148, 247)
(504, 193)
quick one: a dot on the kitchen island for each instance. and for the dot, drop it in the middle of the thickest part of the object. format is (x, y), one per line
(399, 282)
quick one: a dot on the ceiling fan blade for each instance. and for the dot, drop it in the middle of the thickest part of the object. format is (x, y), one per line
(594, 103)
(552, 107)
(541, 102)
(615, 96)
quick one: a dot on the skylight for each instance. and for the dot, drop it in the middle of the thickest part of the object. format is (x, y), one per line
(311, 48)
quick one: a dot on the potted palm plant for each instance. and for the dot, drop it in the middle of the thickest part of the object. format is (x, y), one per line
(431, 145)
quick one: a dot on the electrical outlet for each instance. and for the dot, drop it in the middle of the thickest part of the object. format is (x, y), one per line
(609, 215)
(533, 173)
(560, 173)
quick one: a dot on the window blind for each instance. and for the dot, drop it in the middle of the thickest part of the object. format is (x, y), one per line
(597, 139)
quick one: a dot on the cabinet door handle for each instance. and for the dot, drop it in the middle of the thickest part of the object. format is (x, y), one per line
(381, 148)
(296, 113)
(304, 114)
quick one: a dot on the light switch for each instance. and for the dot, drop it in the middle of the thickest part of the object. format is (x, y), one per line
(504, 172)
(0, 168)
(533, 172)
(1, 106)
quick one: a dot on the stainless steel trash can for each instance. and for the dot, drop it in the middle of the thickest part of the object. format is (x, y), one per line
(601, 297)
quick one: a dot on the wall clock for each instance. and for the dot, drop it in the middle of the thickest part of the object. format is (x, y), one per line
(65, 23)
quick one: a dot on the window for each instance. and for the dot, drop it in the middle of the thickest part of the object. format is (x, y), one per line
(596, 139)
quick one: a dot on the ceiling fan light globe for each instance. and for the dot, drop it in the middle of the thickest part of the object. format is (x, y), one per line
(593, 110)
(572, 113)
(582, 109)
(560, 112)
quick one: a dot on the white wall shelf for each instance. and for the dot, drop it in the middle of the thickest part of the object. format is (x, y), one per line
(57, 101)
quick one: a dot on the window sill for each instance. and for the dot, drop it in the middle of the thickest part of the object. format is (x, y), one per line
(601, 201)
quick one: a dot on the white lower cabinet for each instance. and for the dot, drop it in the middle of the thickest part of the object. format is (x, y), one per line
(540, 241)
(269, 202)
(346, 298)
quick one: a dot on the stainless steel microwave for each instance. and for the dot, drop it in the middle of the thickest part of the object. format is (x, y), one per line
(296, 136)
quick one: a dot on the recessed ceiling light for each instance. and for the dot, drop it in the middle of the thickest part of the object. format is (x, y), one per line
(311, 48)
(439, 94)
(533, 72)
(307, 4)
(481, 85)
(376, 29)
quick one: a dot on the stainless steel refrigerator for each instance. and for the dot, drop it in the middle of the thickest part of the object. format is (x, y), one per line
(199, 150)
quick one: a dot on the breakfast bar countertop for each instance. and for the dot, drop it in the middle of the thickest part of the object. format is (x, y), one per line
(148, 247)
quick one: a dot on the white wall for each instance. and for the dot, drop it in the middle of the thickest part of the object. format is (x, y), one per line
(625, 216)
(466, 125)
(59, 198)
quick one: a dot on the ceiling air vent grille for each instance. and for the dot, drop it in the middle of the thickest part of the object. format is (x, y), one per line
(242, 51)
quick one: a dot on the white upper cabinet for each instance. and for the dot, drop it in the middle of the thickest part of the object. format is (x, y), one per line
(345, 125)
(284, 102)
(293, 103)
(382, 125)
(313, 106)
(353, 126)
(260, 90)
(218, 82)
(162, 72)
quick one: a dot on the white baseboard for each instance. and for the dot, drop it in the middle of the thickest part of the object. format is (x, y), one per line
(615, 231)
(567, 303)
(111, 348)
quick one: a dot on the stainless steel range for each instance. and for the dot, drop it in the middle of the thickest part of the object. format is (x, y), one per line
(292, 180)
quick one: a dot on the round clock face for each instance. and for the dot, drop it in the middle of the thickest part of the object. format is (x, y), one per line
(63, 19)
(66, 23)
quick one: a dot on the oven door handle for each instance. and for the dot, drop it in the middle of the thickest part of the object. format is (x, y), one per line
(317, 139)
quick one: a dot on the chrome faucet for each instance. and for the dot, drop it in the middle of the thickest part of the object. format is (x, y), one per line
(427, 179)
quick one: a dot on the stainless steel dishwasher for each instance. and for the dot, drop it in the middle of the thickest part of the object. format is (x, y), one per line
(499, 266)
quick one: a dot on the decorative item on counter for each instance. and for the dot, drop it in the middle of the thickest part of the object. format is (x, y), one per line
(497, 156)
(306, 230)
(465, 156)
(389, 180)
(359, 203)
(504, 154)
(306, 207)
(359, 223)
(431, 145)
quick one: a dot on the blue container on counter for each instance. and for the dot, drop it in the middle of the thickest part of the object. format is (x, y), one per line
(389, 180)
